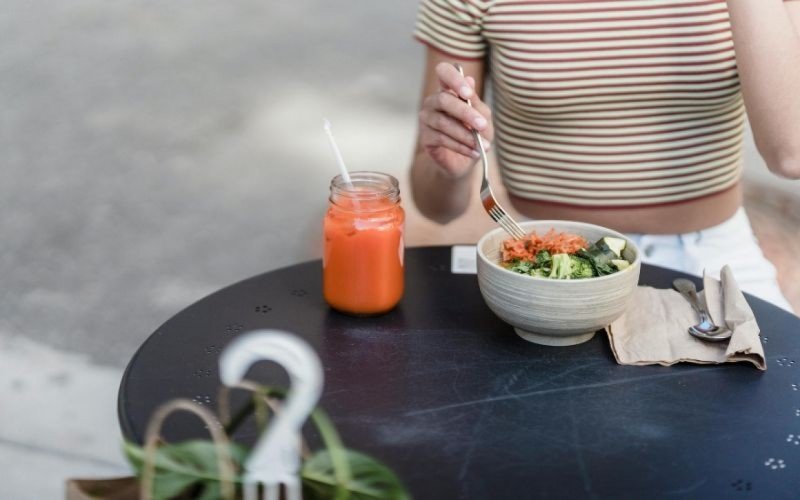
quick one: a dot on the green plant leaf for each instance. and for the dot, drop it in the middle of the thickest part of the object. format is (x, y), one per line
(211, 491)
(335, 449)
(369, 479)
(203, 454)
(334, 473)
(170, 485)
(180, 466)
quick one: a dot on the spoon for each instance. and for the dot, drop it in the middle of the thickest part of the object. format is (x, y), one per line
(706, 329)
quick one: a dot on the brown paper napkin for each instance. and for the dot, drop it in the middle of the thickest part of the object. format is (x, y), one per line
(653, 329)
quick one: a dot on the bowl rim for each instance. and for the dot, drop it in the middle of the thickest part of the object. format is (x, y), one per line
(635, 264)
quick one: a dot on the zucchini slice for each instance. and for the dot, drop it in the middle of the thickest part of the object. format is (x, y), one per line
(617, 245)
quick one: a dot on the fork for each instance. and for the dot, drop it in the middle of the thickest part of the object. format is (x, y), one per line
(488, 200)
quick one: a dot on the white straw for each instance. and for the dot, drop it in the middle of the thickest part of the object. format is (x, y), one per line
(339, 159)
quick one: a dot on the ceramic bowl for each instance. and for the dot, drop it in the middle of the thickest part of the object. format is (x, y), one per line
(550, 311)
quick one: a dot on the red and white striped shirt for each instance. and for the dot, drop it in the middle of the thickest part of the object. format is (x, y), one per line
(603, 103)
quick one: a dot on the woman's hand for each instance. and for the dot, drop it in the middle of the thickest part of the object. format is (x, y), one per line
(446, 122)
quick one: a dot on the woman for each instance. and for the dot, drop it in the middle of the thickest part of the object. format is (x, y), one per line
(627, 114)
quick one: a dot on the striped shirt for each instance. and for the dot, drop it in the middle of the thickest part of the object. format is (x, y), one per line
(624, 103)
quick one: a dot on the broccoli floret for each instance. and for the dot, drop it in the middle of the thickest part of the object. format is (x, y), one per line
(581, 268)
(522, 267)
(562, 266)
(556, 266)
(543, 258)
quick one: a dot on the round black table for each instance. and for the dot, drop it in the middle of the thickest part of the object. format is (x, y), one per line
(460, 407)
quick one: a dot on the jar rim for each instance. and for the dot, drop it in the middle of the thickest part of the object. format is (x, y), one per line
(366, 185)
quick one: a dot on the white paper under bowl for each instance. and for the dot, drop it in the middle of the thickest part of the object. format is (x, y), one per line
(550, 311)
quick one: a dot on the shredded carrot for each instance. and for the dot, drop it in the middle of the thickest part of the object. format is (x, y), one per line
(552, 241)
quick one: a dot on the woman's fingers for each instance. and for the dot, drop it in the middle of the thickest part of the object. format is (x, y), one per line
(447, 121)
(448, 126)
(486, 112)
(451, 79)
(451, 105)
(477, 116)
(431, 138)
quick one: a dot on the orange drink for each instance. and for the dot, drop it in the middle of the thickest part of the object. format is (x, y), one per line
(362, 258)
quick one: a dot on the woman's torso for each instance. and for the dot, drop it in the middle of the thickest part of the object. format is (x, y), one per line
(624, 113)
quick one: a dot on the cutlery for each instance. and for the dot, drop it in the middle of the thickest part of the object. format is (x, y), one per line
(488, 200)
(706, 329)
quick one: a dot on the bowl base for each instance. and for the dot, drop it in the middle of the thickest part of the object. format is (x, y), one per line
(553, 340)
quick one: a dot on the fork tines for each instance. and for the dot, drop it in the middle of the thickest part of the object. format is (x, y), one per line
(511, 227)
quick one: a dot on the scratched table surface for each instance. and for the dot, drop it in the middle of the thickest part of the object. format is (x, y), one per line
(460, 407)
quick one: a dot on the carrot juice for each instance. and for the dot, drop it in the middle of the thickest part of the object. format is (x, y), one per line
(362, 259)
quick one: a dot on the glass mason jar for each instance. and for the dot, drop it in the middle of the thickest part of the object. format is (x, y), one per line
(362, 258)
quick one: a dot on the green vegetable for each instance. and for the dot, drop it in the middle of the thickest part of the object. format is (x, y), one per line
(600, 259)
(621, 264)
(616, 245)
(522, 267)
(581, 268)
(543, 259)
(600, 255)
(541, 267)
(562, 266)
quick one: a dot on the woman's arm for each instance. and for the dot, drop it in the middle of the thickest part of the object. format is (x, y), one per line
(766, 35)
(444, 156)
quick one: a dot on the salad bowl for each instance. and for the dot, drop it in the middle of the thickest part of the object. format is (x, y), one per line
(555, 312)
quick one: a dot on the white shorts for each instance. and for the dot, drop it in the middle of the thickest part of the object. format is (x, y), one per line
(732, 243)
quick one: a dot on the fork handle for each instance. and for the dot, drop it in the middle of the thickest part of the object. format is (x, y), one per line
(469, 103)
(461, 72)
(482, 151)
(475, 133)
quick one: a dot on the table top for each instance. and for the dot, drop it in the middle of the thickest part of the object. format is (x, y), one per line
(448, 396)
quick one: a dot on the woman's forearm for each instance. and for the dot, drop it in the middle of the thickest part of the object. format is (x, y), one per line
(438, 196)
(767, 47)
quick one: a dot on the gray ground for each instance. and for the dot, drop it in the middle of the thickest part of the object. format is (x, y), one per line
(154, 151)
(150, 153)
